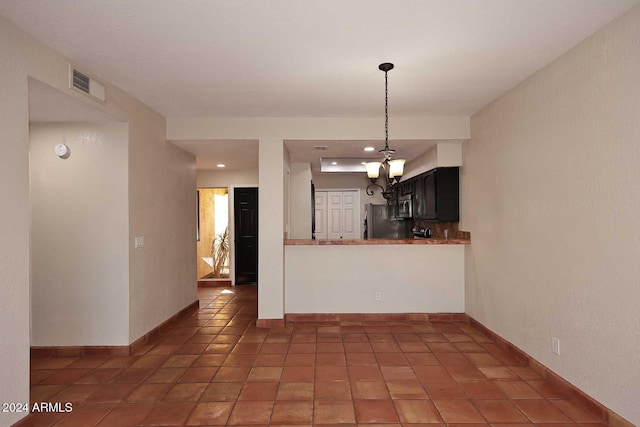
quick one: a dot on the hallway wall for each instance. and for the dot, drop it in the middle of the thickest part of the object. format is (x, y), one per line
(79, 234)
(162, 208)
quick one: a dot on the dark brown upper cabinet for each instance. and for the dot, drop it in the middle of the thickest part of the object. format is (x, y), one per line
(436, 195)
(406, 187)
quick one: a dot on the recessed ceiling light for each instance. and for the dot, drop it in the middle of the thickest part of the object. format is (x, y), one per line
(369, 148)
(334, 163)
(221, 165)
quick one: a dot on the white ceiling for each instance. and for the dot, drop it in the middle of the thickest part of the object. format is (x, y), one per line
(304, 58)
(310, 58)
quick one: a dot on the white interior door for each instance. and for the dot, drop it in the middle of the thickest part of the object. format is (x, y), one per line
(321, 215)
(338, 214)
(350, 215)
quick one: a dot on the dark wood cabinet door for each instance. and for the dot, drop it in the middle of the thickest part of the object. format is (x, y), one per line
(436, 195)
(393, 202)
(246, 235)
(406, 187)
(448, 194)
(418, 198)
(430, 202)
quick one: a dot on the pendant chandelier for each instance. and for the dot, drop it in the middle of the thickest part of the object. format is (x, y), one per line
(393, 169)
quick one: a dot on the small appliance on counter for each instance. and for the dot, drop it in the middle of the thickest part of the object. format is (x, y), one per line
(421, 233)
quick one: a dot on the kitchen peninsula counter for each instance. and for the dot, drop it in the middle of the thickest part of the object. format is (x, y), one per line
(374, 276)
(431, 241)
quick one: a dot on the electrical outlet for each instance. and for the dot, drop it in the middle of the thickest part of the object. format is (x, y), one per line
(555, 345)
(138, 242)
(378, 296)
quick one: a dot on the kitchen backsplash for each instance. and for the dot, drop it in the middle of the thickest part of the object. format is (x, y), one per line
(437, 229)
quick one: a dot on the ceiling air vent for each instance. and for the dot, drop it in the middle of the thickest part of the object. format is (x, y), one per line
(87, 85)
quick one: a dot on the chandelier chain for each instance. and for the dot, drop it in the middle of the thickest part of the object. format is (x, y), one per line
(386, 112)
(393, 169)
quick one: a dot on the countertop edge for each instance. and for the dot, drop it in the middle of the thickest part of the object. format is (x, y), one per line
(310, 242)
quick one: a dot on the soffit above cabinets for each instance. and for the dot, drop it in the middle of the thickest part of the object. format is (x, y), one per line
(349, 155)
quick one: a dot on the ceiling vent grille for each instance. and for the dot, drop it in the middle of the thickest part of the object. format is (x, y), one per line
(87, 85)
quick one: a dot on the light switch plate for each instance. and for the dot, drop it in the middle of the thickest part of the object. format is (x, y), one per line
(555, 345)
(138, 242)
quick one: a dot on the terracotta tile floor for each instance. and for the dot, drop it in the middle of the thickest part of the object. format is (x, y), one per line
(215, 368)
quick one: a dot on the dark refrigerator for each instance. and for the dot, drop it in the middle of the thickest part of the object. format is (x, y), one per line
(380, 223)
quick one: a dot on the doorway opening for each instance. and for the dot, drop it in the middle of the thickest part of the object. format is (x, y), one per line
(213, 235)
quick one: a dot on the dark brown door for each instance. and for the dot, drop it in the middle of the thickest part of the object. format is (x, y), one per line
(246, 235)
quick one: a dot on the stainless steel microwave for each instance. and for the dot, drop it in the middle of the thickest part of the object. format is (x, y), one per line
(405, 207)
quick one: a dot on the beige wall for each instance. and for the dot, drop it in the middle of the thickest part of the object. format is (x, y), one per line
(300, 201)
(271, 219)
(79, 234)
(449, 154)
(423, 163)
(161, 207)
(423, 127)
(549, 191)
(217, 179)
(442, 155)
